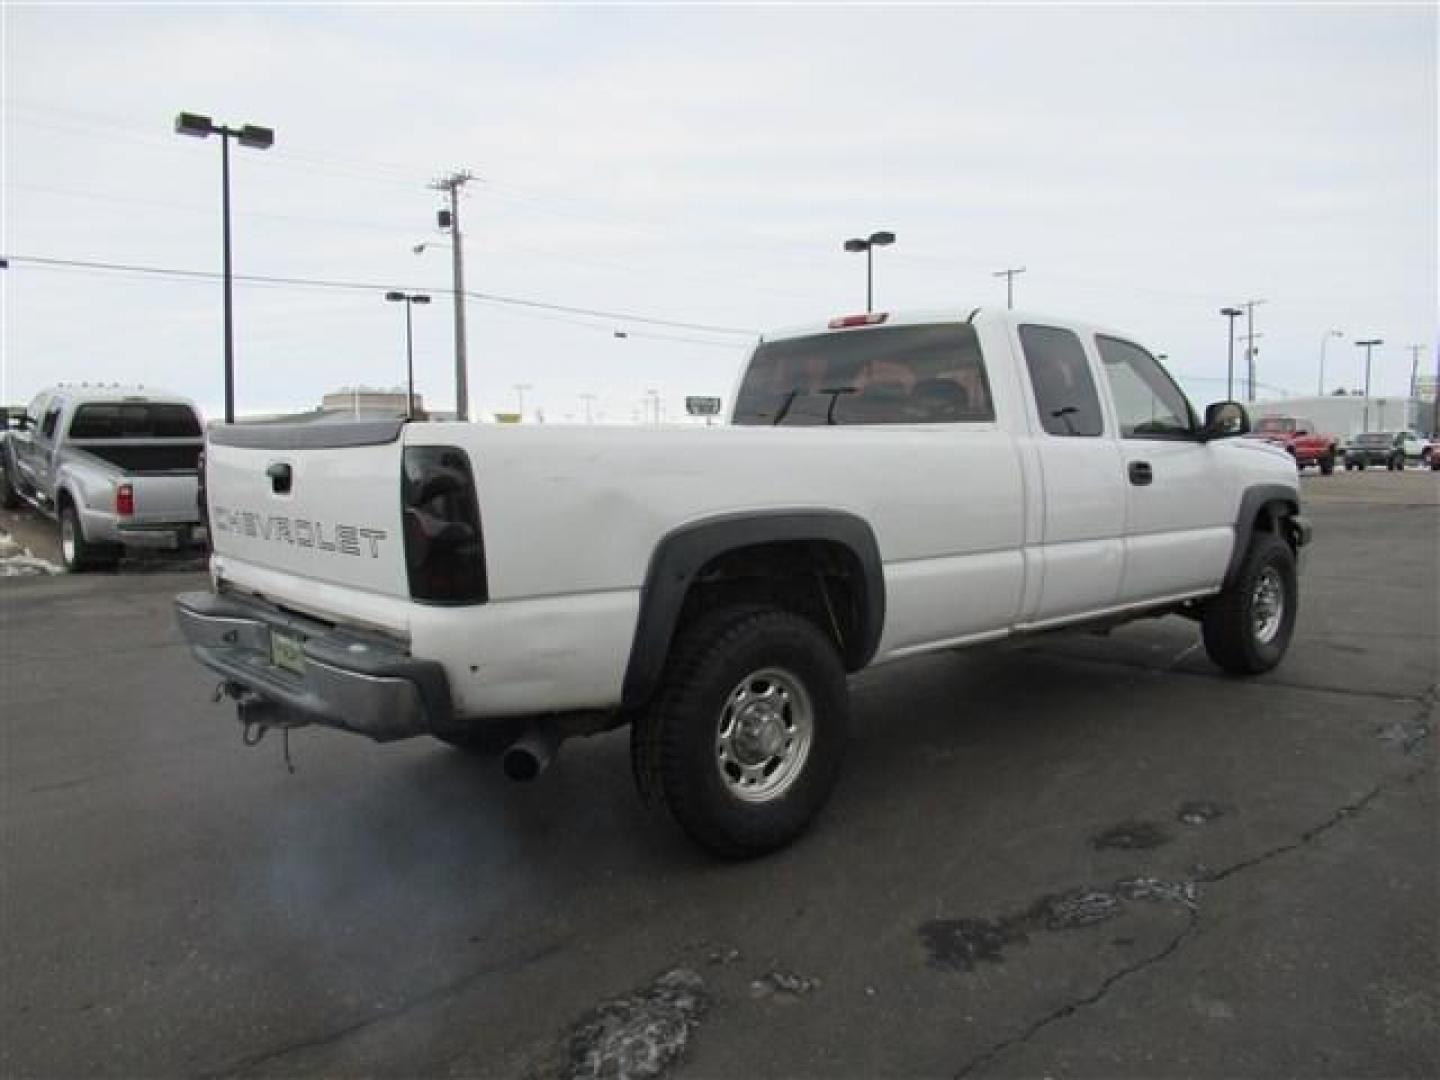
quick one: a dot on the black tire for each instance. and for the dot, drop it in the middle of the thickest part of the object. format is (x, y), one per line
(1361, 465)
(749, 792)
(9, 497)
(1239, 633)
(1327, 464)
(1397, 463)
(77, 553)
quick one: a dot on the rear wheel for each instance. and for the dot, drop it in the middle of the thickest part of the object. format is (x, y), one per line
(1327, 463)
(9, 497)
(745, 738)
(76, 552)
(1247, 627)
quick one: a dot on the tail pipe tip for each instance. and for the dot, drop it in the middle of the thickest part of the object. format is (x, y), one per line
(531, 754)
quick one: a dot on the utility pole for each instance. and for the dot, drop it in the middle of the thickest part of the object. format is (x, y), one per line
(451, 219)
(1250, 337)
(589, 400)
(1367, 346)
(1414, 366)
(1009, 276)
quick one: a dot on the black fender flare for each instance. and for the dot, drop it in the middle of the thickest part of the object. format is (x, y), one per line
(1255, 499)
(684, 552)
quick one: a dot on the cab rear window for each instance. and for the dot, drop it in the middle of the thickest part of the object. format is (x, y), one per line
(928, 374)
(135, 420)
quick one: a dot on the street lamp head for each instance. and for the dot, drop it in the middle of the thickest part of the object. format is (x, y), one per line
(857, 245)
(882, 239)
(1231, 312)
(393, 295)
(1372, 341)
(194, 125)
(257, 138)
(419, 298)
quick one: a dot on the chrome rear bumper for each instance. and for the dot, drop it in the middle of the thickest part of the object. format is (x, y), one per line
(336, 678)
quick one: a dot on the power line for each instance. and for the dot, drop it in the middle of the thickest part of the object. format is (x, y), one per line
(269, 279)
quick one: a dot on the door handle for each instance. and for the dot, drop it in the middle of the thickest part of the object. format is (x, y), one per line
(1140, 474)
(280, 476)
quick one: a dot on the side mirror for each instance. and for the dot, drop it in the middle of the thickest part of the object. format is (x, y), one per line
(1225, 419)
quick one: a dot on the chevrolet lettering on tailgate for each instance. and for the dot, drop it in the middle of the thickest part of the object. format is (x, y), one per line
(299, 532)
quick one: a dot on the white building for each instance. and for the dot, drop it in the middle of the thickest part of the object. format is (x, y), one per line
(1349, 414)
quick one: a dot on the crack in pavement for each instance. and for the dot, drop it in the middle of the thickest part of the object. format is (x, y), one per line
(1072, 1007)
(265, 1057)
(1347, 812)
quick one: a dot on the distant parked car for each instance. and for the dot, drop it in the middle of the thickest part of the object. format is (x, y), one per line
(1375, 448)
(1417, 450)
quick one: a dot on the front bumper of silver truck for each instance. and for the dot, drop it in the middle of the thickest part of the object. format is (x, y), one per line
(286, 670)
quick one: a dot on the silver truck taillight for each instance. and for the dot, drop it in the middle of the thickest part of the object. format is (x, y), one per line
(444, 547)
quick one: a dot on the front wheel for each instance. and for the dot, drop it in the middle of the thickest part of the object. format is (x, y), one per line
(1247, 627)
(746, 736)
(1327, 464)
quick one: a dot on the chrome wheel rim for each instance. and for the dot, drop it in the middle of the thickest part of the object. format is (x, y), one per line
(1267, 605)
(763, 736)
(67, 538)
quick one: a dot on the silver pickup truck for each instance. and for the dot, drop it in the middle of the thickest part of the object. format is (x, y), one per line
(116, 467)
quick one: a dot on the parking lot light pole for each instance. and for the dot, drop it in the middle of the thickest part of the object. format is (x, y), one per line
(1367, 345)
(1325, 340)
(1232, 314)
(409, 300)
(257, 138)
(868, 245)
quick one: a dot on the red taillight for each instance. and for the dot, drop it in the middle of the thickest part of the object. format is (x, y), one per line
(125, 500)
(870, 318)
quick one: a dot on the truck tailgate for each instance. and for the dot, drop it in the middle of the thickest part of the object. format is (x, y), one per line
(164, 499)
(320, 501)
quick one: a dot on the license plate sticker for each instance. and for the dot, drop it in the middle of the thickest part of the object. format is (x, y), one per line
(286, 652)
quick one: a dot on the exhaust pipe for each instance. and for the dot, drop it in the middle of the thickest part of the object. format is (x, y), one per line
(530, 755)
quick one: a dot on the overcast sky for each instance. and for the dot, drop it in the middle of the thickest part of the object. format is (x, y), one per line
(1147, 165)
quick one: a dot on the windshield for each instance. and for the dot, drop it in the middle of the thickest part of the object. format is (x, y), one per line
(135, 420)
(889, 375)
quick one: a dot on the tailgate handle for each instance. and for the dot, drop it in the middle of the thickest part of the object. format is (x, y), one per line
(280, 476)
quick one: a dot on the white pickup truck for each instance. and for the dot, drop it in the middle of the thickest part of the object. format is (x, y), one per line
(888, 485)
(115, 466)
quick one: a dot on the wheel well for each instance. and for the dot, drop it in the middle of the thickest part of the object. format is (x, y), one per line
(821, 580)
(1273, 517)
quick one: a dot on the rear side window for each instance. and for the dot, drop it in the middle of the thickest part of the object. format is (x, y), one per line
(1065, 395)
(1148, 404)
(888, 375)
(135, 420)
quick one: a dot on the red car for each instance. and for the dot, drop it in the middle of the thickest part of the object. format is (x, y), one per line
(1301, 440)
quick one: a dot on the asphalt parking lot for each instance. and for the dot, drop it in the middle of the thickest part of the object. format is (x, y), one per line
(1076, 856)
